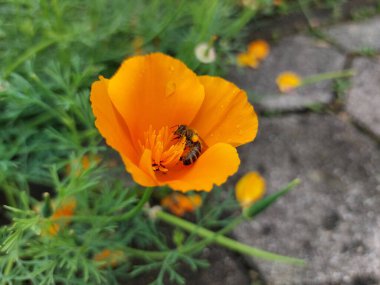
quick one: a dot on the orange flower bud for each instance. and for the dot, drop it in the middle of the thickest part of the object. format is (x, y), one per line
(109, 257)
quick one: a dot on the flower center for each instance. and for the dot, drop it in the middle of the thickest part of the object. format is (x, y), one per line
(166, 148)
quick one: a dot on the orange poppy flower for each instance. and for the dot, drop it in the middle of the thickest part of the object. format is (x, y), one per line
(66, 209)
(180, 204)
(249, 189)
(140, 108)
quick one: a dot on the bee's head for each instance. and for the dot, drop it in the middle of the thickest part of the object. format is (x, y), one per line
(180, 130)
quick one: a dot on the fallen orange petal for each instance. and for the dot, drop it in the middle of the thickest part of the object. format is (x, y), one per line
(287, 81)
(248, 59)
(259, 49)
(249, 189)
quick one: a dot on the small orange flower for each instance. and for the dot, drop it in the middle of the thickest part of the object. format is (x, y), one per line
(287, 81)
(249, 189)
(259, 48)
(66, 209)
(140, 108)
(109, 257)
(180, 204)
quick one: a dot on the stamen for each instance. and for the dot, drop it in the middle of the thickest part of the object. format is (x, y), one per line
(166, 148)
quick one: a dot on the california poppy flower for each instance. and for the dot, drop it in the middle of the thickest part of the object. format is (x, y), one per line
(139, 109)
(65, 210)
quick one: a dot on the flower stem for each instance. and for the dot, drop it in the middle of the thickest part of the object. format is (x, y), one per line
(226, 242)
(133, 212)
(326, 76)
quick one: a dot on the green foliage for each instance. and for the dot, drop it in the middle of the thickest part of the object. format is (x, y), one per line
(51, 52)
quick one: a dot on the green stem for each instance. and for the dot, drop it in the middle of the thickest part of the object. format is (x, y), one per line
(201, 244)
(312, 79)
(147, 253)
(133, 212)
(226, 242)
(327, 76)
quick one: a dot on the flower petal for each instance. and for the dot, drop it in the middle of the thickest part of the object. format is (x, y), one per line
(142, 173)
(214, 166)
(155, 90)
(259, 48)
(226, 115)
(250, 188)
(287, 81)
(108, 120)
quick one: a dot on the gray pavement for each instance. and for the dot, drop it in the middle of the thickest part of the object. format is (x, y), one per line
(301, 54)
(356, 37)
(332, 219)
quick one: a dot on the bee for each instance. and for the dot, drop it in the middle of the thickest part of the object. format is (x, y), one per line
(194, 151)
(193, 144)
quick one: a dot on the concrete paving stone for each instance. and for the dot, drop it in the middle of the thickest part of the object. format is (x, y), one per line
(332, 219)
(301, 54)
(363, 100)
(356, 36)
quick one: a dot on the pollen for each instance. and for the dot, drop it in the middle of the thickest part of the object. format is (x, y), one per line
(195, 138)
(166, 148)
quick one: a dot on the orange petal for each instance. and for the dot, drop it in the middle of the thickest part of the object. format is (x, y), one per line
(288, 81)
(247, 59)
(141, 173)
(109, 122)
(226, 115)
(214, 166)
(155, 90)
(249, 189)
(259, 48)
